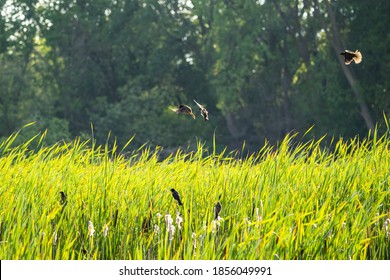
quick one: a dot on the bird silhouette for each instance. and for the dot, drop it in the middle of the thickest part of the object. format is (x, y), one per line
(203, 111)
(350, 55)
(63, 197)
(184, 110)
(176, 196)
(217, 209)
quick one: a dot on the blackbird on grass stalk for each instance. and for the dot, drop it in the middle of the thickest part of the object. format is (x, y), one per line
(63, 197)
(217, 209)
(176, 196)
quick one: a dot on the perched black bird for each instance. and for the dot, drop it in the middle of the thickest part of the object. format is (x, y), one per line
(184, 110)
(63, 197)
(349, 56)
(176, 196)
(217, 209)
(203, 111)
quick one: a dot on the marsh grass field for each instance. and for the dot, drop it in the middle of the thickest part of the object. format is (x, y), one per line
(290, 202)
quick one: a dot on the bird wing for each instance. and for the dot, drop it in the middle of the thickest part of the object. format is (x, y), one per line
(176, 110)
(348, 61)
(200, 106)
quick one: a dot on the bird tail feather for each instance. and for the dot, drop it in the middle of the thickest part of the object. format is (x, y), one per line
(358, 57)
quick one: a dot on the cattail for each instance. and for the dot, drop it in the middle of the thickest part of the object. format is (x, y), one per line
(91, 229)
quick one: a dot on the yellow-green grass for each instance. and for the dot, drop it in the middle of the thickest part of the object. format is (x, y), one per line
(291, 202)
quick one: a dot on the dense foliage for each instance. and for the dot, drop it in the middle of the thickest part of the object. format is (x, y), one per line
(263, 68)
(289, 202)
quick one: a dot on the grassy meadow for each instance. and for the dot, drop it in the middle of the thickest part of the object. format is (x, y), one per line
(295, 201)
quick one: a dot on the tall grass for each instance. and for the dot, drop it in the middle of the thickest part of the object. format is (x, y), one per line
(291, 202)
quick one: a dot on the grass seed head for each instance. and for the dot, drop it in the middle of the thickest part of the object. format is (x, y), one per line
(91, 229)
(179, 220)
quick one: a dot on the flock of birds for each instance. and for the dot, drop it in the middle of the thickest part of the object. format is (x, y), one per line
(186, 110)
(183, 109)
(217, 207)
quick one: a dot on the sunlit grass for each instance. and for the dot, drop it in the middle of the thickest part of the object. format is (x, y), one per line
(290, 202)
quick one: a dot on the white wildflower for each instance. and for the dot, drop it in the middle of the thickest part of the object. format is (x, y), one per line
(171, 230)
(156, 229)
(179, 220)
(55, 239)
(170, 226)
(168, 219)
(216, 224)
(386, 226)
(158, 216)
(91, 229)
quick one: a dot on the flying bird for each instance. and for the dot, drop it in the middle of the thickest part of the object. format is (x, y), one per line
(203, 111)
(217, 209)
(184, 110)
(349, 56)
(176, 196)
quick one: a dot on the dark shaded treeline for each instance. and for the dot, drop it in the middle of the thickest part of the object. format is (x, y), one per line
(261, 68)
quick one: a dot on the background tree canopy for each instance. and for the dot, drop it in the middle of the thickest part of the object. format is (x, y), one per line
(263, 68)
